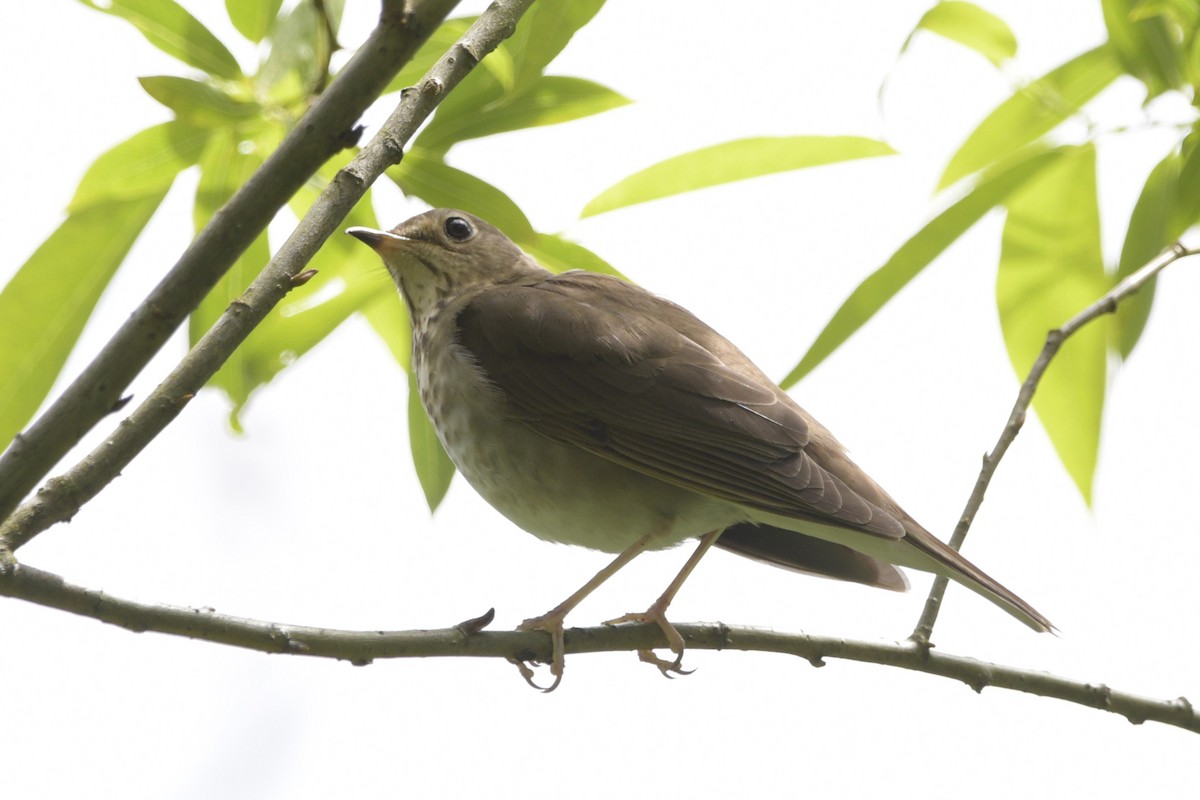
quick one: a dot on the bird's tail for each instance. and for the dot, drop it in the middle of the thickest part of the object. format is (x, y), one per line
(951, 564)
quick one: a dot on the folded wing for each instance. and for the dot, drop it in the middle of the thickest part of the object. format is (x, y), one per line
(646, 384)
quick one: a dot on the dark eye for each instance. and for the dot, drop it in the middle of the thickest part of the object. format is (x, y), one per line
(459, 229)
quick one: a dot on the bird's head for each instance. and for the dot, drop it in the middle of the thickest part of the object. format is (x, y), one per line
(446, 253)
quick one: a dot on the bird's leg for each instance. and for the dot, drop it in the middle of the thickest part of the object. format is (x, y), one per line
(552, 621)
(657, 613)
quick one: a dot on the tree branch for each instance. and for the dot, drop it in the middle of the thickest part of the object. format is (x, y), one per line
(1016, 419)
(319, 134)
(63, 496)
(466, 639)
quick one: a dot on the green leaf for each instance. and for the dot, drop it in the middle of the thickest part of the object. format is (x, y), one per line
(1192, 62)
(918, 252)
(543, 33)
(252, 18)
(729, 162)
(559, 255)
(498, 62)
(549, 100)
(1185, 211)
(1168, 206)
(44, 307)
(1151, 230)
(348, 278)
(434, 468)
(1033, 111)
(479, 90)
(423, 175)
(1051, 267)
(170, 28)
(293, 63)
(388, 316)
(144, 164)
(334, 10)
(1183, 14)
(286, 336)
(970, 26)
(199, 103)
(1145, 45)
(224, 168)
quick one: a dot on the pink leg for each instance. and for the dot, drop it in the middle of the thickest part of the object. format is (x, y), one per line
(552, 621)
(657, 613)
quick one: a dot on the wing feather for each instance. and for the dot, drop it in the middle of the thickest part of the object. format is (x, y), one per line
(642, 382)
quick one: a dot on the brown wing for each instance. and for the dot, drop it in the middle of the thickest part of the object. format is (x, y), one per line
(601, 364)
(807, 554)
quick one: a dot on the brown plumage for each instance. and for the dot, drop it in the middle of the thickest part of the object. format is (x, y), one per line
(593, 412)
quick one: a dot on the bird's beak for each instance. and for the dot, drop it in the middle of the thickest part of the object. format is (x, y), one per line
(379, 241)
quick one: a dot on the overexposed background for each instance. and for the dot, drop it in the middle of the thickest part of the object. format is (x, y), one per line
(315, 516)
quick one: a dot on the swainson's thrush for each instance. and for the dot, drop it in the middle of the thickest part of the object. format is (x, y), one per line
(591, 412)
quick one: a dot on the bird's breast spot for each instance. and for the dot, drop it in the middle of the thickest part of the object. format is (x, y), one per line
(557, 492)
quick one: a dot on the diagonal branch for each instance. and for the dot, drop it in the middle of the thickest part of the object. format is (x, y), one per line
(62, 496)
(1016, 419)
(318, 136)
(467, 640)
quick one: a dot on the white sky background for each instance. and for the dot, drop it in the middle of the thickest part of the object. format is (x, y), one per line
(315, 517)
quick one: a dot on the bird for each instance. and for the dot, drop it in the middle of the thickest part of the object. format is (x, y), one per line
(592, 412)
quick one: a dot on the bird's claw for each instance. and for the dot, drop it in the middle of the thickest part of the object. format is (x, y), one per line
(669, 669)
(528, 674)
(552, 624)
(674, 640)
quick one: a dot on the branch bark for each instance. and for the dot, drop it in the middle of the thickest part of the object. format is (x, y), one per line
(1016, 419)
(94, 393)
(63, 496)
(321, 133)
(467, 640)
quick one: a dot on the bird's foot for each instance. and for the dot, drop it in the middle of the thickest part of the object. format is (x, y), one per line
(551, 623)
(657, 614)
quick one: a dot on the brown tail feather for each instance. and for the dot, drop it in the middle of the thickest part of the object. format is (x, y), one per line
(807, 554)
(974, 578)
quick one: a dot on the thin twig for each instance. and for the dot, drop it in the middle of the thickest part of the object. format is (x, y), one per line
(467, 639)
(327, 45)
(62, 496)
(1054, 340)
(319, 135)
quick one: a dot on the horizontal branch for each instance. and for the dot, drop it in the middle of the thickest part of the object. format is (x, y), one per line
(467, 640)
(63, 495)
(1016, 418)
(320, 134)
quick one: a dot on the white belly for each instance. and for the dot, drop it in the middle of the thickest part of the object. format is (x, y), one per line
(555, 491)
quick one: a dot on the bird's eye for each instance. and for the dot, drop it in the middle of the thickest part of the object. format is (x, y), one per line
(459, 229)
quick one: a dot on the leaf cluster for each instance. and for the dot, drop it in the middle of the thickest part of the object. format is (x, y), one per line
(1018, 159)
(226, 120)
